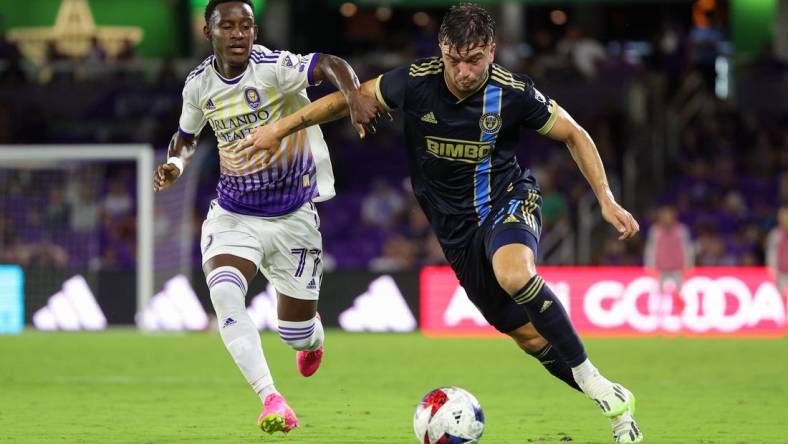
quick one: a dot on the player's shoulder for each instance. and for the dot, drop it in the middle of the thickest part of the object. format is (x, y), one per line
(508, 80)
(264, 56)
(426, 67)
(199, 70)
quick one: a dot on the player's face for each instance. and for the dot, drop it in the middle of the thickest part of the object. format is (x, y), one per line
(232, 32)
(466, 68)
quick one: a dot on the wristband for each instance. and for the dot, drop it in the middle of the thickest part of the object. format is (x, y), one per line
(178, 164)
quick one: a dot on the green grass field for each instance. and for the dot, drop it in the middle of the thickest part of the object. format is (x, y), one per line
(121, 386)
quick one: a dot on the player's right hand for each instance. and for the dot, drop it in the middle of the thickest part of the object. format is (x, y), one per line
(164, 176)
(621, 219)
(365, 112)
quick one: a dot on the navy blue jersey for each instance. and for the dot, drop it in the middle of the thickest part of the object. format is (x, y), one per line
(461, 153)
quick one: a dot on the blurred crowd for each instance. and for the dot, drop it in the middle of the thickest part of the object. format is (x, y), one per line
(80, 216)
(716, 194)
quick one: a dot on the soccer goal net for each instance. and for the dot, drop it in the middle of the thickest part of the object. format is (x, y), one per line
(79, 222)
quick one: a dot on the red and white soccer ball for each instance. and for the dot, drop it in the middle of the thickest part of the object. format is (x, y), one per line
(448, 415)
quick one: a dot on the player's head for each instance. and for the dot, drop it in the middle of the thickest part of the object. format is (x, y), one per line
(666, 215)
(467, 43)
(782, 217)
(229, 25)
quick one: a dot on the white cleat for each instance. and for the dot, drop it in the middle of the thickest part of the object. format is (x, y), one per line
(614, 401)
(625, 429)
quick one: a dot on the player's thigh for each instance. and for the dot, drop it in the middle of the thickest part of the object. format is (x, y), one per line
(512, 240)
(226, 240)
(478, 280)
(293, 263)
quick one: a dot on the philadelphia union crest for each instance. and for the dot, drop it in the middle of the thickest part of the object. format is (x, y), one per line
(252, 97)
(490, 123)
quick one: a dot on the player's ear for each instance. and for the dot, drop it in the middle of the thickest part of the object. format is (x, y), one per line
(256, 30)
(206, 31)
(492, 51)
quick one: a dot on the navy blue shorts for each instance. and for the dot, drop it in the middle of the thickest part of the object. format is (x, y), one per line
(515, 218)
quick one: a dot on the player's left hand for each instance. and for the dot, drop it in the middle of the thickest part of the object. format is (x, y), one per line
(164, 176)
(365, 112)
(616, 215)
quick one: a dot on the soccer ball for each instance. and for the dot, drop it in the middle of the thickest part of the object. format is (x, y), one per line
(448, 415)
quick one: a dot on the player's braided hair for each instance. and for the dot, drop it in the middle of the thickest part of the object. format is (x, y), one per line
(466, 25)
(214, 3)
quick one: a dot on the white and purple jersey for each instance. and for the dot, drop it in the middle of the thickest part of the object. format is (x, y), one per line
(272, 86)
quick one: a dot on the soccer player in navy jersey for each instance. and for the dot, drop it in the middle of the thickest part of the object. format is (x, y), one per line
(264, 217)
(463, 116)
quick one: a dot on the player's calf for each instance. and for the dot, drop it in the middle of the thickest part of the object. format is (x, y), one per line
(534, 344)
(302, 335)
(552, 362)
(306, 337)
(237, 330)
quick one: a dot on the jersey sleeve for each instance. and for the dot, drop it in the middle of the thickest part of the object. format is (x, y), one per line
(390, 87)
(295, 72)
(192, 118)
(539, 111)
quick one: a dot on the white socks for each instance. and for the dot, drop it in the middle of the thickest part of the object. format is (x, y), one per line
(590, 381)
(304, 335)
(238, 332)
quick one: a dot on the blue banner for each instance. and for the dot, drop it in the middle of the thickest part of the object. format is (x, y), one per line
(12, 299)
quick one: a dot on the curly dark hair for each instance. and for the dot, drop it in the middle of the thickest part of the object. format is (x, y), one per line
(214, 3)
(467, 25)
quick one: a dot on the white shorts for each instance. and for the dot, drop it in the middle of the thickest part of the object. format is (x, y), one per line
(287, 249)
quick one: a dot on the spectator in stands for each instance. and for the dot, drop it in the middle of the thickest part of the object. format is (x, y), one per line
(545, 61)
(585, 53)
(704, 40)
(383, 206)
(127, 53)
(668, 246)
(710, 249)
(432, 252)
(15, 252)
(8, 49)
(783, 186)
(554, 205)
(48, 254)
(399, 254)
(11, 72)
(96, 54)
(777, 250)
(118, 202)
(58, 211)
(85, 210)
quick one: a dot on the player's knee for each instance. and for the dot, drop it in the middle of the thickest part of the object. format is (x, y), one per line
(513, 279)
(514, 266)
(228, 289)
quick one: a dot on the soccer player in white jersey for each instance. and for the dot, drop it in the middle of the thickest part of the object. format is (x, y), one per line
(264, 217)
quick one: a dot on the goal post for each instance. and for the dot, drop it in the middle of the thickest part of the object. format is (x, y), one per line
(43, 156)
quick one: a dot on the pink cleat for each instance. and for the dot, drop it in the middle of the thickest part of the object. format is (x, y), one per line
(309, 361)
(277, 416)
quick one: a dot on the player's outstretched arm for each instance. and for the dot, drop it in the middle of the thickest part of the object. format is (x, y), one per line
(326, 109)
(179, 153)
(586, 156)
(364, 109)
